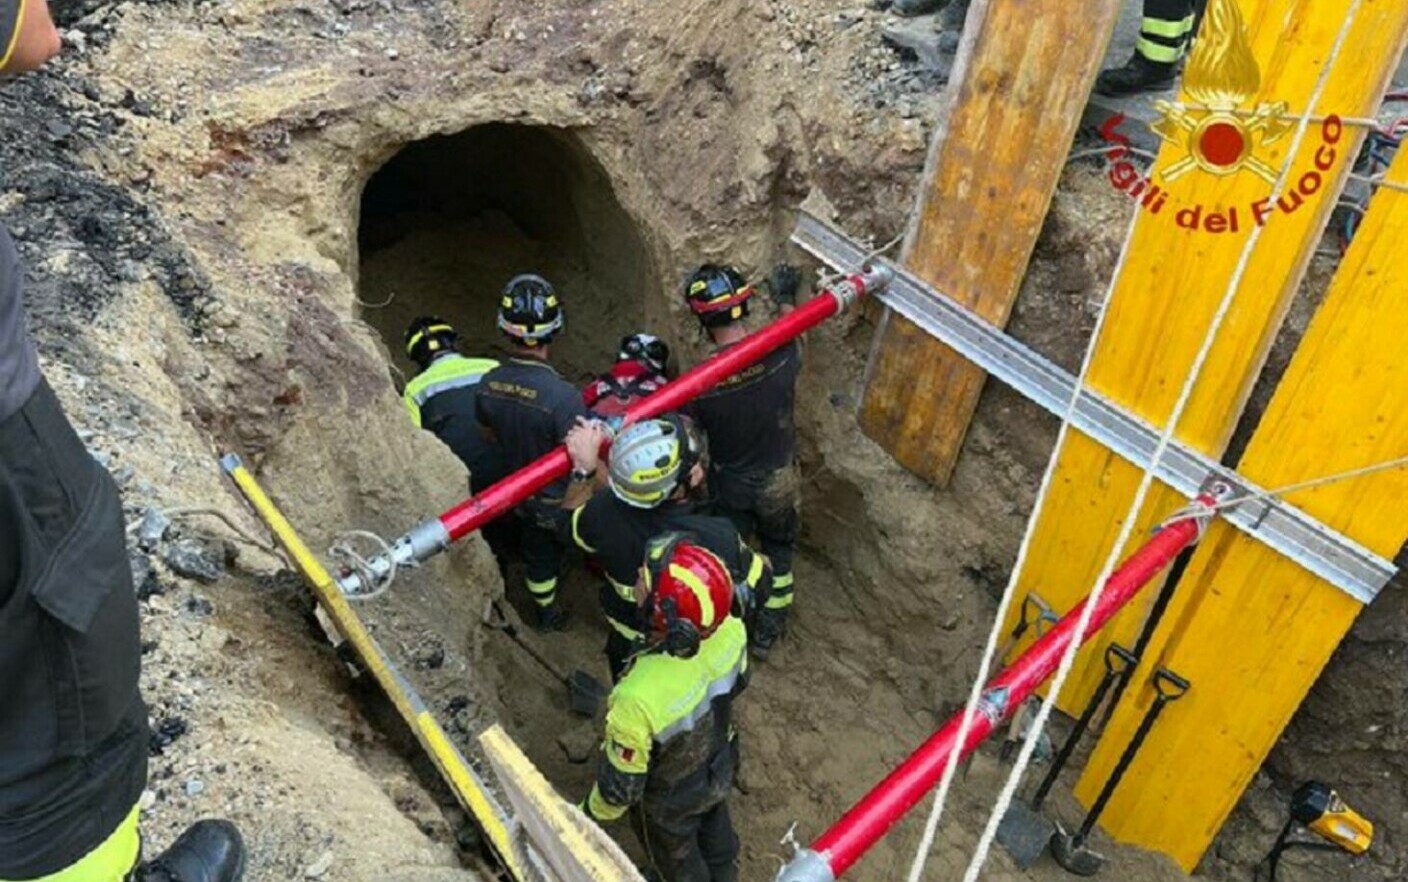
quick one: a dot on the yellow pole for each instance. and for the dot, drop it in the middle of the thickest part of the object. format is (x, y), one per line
(467, 786)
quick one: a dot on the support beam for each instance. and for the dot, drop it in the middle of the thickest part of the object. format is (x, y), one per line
(1020, 85)
(1174, 279)
(1251, 630)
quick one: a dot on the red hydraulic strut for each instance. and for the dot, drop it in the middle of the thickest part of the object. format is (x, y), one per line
(431, 537)
(838, 848)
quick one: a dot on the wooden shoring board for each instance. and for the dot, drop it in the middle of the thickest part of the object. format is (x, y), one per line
(1248, 627)
(1174, 278)
(1021, 82)
(571, 847)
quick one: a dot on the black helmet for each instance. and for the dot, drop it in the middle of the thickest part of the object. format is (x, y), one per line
(717, 294)
(646, 349)
(427, 337)
(529, 311)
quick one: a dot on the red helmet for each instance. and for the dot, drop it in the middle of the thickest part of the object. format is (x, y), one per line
(688, 591)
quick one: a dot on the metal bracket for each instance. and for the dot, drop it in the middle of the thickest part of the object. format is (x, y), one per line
(1327, 553)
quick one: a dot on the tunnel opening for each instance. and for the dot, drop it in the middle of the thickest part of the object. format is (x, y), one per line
(448, 220)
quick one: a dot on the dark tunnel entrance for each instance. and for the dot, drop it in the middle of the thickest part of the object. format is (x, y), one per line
(450, 219)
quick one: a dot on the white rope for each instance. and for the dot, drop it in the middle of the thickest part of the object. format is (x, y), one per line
(343, 552)
(1024, 756)
(931, 826)
(1311, 483)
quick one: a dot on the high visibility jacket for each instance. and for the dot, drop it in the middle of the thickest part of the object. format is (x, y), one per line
(668, 721)
(440, 399)
(73, 730)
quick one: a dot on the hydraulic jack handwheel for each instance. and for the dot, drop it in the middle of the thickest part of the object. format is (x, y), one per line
(1070, 850)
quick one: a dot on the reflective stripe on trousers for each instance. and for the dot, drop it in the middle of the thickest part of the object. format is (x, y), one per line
(111, 861)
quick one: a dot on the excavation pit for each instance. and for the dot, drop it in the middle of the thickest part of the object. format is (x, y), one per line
(448, 220)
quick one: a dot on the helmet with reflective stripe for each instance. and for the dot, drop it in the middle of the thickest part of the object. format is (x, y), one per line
(717, 294)
(529, 311)
(688, 591)
(646, 349)
(649, 459)
(428, 336)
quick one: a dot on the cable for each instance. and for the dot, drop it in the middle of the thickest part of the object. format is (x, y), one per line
(1104, 151)
(1334, 478)
(343, 552)
(240, 534)
(1024, 756)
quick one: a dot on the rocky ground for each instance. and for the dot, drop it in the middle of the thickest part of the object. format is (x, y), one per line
(184, 185)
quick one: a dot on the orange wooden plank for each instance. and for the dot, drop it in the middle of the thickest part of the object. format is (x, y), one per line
(993, 167)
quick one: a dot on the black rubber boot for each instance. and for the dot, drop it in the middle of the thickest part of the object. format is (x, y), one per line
(552, 617)
(209, 851)
(954, 15)
(1139, 74)
(768, 626)
(910, 8)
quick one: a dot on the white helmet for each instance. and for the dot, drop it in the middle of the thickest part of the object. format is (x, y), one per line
(649, 460)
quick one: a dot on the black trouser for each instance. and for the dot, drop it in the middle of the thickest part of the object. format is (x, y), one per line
(763, 504)
(687, 832)
(502, 532)
(73, 730)
(541, 542)
(1166, 29)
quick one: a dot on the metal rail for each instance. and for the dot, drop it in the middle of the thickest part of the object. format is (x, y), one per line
(1327, 553)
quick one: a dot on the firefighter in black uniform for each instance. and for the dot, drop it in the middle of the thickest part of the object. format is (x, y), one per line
(528, 409)
(654, 470)
(73, 728)
(440, 399)
(1165, 32)
(752, 437)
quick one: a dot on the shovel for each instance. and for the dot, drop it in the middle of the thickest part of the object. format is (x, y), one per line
(584, 692)
(1025, 831)
(1070, 849)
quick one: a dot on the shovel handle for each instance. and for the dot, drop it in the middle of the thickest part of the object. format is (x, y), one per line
(1169, 685)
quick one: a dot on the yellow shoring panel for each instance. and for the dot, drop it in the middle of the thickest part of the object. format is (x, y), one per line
(462, 780)
(577, 848)
(1248, 627)
(1172, 282)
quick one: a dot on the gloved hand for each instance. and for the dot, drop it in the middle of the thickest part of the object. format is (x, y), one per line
(784, 282)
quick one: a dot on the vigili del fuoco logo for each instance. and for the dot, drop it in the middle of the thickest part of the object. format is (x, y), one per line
(1220, 134)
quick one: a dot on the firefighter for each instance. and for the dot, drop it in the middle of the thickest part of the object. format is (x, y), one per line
(639, 371)
(440, 399)
(669, 747)
(73, 727)
(752, 437)
(654, 471)
(1165, 32)
(528, 409)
